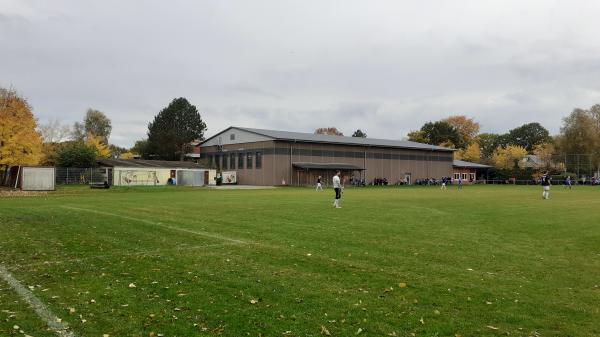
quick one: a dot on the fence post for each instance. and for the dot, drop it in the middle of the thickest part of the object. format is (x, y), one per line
(67, 176)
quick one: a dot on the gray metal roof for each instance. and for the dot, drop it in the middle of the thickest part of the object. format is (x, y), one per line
(316, 138)
(147, 163)
(462, 163)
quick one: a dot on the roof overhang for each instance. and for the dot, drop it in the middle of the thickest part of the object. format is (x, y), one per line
(326, 166)
(466, 164)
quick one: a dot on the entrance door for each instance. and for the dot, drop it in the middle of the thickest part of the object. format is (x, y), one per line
(407, 180)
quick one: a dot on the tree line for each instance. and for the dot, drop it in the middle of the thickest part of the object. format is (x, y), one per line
(23, 141)
(579, 136)
(173, 128)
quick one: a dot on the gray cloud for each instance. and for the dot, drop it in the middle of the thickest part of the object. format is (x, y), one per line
(385, 67)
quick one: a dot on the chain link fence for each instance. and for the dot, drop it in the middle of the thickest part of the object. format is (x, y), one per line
(83, 175)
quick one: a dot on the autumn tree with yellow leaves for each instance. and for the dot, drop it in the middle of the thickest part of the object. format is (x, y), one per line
(472, 153)
(97, 143)
(20, 143)
(508, 157)
(468, 128)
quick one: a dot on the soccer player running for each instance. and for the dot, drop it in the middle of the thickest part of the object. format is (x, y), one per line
(319, 186)
(337, 187)
(546, 186)
(568, 182)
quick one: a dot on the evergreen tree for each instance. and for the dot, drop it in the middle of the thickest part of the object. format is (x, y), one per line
(173, 129)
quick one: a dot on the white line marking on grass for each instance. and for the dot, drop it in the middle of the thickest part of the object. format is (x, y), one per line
(53, 322)
(208, 235)
(429, 209)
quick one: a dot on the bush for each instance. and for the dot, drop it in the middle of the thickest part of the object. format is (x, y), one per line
(77, 154)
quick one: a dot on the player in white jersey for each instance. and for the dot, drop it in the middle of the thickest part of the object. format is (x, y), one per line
(337, 187)
(319, 186)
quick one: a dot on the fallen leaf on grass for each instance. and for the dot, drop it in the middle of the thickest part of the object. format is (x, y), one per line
(402, 285)
(359, 331)
(492, 327)
(253, 301)
(132, 285)
(324, 331)
(422, 320)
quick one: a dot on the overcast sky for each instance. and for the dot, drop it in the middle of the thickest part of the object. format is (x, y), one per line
(385, 67)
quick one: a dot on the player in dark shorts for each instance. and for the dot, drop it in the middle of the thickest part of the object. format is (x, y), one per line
(546, 186)
(337, 187)
(319, 186)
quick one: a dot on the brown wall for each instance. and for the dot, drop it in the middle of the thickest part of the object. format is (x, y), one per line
(462, 171)
(389, 163)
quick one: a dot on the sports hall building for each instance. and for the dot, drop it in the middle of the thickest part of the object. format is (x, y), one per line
(270, 157)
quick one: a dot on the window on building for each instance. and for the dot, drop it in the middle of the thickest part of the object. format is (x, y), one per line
(240, 161)
(464, 176)
(472, 176)
(456, 176)
(232, 136)
(218, 159)
(232, 161)
(249, 160)
(226, 162)
(258, 163)
(211, 160)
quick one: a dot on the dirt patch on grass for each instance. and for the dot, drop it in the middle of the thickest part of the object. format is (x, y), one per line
(8, 193)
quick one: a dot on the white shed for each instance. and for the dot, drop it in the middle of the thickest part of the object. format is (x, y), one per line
(33, 178)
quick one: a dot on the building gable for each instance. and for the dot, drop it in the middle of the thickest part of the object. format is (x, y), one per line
(234, 135)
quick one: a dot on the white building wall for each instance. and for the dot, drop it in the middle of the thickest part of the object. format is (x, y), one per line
(239, 136)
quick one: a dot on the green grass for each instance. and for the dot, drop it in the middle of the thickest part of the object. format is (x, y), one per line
(485, 261)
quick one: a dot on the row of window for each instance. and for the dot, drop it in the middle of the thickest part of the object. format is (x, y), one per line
(353, 154)
(465, 176)
(236, 161)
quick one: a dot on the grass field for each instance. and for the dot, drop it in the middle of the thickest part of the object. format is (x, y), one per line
(484, 261)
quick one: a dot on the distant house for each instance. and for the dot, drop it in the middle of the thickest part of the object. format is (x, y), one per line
(468, 171)
(195, 154)
(531, 161)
